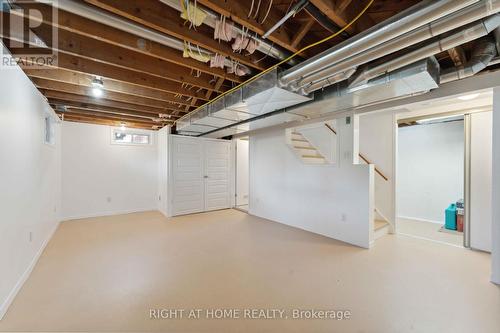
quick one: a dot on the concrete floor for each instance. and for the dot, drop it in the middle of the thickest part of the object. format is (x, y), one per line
(428, 230)
(105, 274)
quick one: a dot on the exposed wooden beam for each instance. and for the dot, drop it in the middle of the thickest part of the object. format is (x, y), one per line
(161, 17)
(342, 5)
(457, 55)
(80, 25)
(96, 50)
(106, 109)
(82, 79)
(111, 112)
(343, 17)
(95, 120)
(238, 11)
(109, 116)
(83, 65)
(62, 96)
(217, 84)
(108, 95)
(103, 115)
(304, 28)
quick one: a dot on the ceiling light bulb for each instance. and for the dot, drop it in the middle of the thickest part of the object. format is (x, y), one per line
(468, 97)
(97, 92)
(122, 127)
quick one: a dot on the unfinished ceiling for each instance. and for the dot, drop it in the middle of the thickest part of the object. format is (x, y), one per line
(153, 66)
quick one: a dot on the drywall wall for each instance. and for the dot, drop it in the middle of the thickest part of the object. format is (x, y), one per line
(480, 180)
(430, 170)
(242, 163)
(163, 136)
(324, 199)
(495, 257)
(376, 143)
(30, 198)
(100, 178)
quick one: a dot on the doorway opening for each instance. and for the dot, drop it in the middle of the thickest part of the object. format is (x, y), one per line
(241, 173)
(430, 181)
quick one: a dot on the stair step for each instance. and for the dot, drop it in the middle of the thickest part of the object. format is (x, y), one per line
(308, 160)
(313, 156)
(379, 224)
(299, 140)
(307, 147)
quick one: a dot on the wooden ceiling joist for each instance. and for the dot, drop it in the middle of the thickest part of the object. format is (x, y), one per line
(342, 17)
(303, 30)
(106, 109)
(96, 50)
(87, 66)
(99, 121)
(81, 79)
(111, 116)
(109, 95)
(62, 96)
(102, 109)
(161, 17)
(82, 26)
(238, 12)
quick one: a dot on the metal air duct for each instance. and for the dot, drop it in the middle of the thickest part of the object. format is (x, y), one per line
(468, 33)
(483, 53)
(410, 19)
(464, 16)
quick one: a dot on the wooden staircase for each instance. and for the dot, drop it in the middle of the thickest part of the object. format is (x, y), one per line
(304, 149)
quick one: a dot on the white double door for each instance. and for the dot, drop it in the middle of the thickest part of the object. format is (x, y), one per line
(201, 173)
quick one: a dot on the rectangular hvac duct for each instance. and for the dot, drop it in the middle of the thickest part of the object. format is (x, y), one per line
(417, 78)
(254, 99)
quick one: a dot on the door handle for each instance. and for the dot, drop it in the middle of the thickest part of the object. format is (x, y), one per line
(205, 177)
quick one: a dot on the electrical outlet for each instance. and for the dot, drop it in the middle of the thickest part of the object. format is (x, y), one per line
(159, 198)
(343, 217)
(31, 236)
(108, 199)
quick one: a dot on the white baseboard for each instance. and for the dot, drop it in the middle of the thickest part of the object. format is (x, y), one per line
(101, 214)
(420, 219)
(5, 306)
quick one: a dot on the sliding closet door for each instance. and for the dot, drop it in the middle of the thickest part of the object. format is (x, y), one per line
(188, 183)
(217, 175)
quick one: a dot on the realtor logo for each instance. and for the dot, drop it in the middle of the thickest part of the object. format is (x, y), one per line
(29, 33)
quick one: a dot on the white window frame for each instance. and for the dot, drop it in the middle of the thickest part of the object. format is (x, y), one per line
(131, 131)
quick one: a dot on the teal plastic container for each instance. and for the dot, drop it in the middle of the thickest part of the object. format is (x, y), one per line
(451, 217)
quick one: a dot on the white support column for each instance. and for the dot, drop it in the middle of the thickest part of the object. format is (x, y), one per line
(495, 257)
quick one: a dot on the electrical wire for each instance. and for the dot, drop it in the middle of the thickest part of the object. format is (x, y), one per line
(255, 77)
(268, 11)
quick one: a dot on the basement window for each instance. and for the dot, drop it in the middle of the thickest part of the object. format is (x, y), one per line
(49, 131)
(130, 137)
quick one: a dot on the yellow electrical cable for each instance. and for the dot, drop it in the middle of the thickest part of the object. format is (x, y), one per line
(255, 77)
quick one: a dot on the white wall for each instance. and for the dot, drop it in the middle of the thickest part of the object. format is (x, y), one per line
(100, 178)
(430, 170)
(29, 181)
(480, 181)
(324, 199)
(242, 163)
(163, 136)
(495, 258)
(376, 143)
